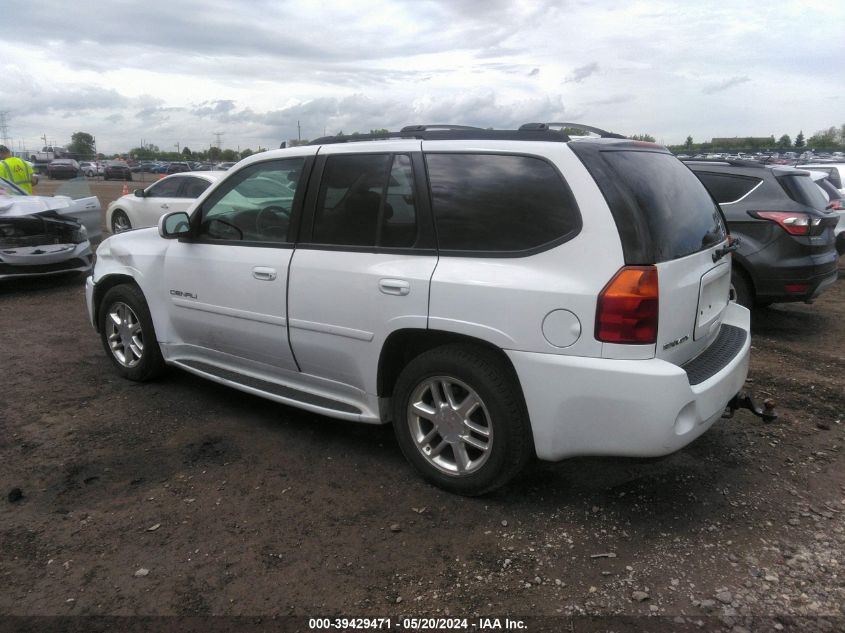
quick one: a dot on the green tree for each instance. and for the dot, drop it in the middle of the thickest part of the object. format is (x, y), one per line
(81, 143)
(186, 152)
(823, 138)
(229, 155)
(246, 152)
(648, 138)
(784, 142)
(799, 140)
(688, 142)
(214, 153)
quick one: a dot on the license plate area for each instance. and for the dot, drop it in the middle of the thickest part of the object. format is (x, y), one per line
(713, 297)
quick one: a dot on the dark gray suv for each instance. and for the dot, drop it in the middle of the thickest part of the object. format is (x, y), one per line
(787, 245)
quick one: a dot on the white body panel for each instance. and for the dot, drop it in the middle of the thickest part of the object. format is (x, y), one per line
(343, 308)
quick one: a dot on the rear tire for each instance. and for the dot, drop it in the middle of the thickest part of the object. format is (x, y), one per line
(128, 335)
(460, 419)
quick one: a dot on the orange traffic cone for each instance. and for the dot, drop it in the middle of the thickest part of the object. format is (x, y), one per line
(125, 191)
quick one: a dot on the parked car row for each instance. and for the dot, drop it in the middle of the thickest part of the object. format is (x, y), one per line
(165, 167)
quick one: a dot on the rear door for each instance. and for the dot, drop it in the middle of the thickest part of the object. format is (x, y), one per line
(364, 261)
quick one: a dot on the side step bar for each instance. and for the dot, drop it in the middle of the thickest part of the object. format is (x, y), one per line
(274, 391)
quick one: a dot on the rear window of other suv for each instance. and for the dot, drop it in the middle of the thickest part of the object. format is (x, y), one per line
(803, 190)
(662, 211)
(499, 204)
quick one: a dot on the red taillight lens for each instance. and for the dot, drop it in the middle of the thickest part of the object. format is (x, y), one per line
(628, 307)
(792, 223)
(835, 205)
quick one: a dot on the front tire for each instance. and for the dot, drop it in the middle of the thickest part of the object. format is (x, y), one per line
(128, 335)
(120, 222)
(460, 419)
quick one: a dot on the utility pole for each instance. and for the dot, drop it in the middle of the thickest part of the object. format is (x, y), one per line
(178, 148)
(298, 131)
(4, 129)
(219, 137)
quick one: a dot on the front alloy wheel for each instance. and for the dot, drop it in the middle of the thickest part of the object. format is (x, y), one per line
(120, 222)
(125, 335)
(128, 335)
(450, 425)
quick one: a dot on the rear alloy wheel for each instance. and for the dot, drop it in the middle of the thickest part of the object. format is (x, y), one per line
(120, 222)
(460, 419)
(128, 335)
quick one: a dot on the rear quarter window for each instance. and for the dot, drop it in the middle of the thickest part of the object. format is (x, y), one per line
(727, 188)
(662, 211)
(499, 204)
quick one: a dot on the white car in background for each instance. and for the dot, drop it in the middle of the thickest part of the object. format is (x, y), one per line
(835, 172)
(144, 207)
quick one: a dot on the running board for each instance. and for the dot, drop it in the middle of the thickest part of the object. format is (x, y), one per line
(273, 390)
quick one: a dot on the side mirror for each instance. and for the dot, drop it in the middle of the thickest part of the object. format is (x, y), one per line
(139, 193)
(174, 225)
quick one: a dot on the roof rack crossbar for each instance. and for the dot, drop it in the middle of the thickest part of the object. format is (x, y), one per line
(437, 126)
(577, 126)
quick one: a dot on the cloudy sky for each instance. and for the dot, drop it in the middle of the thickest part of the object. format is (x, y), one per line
(181, 71)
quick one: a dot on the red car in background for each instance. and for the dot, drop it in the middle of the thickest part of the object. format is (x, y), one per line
(63, 168)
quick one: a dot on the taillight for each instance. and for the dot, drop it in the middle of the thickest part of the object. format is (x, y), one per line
(627, 308)
(836, 205)
(792, 223)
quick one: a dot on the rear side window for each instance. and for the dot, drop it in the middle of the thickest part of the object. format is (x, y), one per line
(499, 203)
(727, 188)
(662, 211)
(366, 200)
(803, 190)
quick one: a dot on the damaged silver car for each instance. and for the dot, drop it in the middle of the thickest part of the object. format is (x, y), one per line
(45, 235)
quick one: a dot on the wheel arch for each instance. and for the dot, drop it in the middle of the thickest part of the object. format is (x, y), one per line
(104, 285)
(402, 346)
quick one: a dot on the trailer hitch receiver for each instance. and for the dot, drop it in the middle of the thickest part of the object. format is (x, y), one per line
(743, 400)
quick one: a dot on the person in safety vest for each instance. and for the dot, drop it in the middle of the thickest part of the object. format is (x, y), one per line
(15, 170)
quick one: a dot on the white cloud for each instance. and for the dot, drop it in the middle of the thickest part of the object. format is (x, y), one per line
(179, 72)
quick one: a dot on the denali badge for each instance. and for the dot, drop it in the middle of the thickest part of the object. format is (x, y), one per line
(668, 345)
(179, 293)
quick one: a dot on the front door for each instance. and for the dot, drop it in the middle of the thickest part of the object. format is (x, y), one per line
(228, 285)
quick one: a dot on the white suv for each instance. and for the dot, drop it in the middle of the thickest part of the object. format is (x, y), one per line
(495, 294)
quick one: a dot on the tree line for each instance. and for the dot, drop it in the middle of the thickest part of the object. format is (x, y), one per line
(830, 139)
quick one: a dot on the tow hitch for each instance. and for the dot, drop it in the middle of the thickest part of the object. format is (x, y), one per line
(743, 400)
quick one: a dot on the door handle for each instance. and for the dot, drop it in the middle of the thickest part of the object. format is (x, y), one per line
(261, 273)
(398, 287)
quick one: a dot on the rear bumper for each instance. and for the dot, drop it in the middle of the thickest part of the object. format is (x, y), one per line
(638, 408)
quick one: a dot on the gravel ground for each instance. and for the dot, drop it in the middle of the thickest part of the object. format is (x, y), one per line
(181, 497)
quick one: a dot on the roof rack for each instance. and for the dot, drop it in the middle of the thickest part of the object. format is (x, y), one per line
(577, 126)
(451, 132)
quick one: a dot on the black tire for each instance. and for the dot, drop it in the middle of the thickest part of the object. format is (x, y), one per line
(150, 363)
(115, 218)
(741, 289)
(492, 380)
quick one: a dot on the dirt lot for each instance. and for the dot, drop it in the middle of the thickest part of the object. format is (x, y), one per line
(235, 505)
